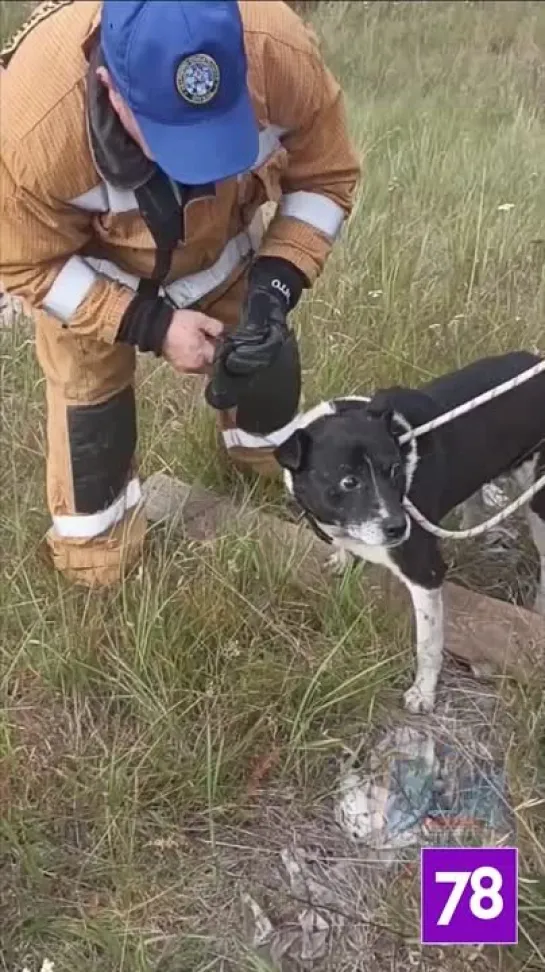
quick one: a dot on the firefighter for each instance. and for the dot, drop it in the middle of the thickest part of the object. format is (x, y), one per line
(139, 142)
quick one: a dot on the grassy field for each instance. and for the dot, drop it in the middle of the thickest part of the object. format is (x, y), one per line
(133, 721)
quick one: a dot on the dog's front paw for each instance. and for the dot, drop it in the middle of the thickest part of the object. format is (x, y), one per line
(417, 700)
(338, 561)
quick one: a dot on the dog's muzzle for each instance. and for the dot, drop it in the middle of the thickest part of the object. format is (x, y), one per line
(387, 533)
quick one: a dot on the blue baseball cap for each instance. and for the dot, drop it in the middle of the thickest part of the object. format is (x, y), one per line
(181, 68)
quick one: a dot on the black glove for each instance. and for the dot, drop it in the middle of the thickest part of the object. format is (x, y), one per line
(256, 368)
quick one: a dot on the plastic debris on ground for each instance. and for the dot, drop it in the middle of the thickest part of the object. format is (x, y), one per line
(418, 790)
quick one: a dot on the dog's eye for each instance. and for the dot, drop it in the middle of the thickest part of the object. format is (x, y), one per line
(348, 483)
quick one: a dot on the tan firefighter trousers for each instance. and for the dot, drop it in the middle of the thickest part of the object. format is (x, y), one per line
(92, 487)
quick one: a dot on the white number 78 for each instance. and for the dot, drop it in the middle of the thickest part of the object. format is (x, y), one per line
(459, 880)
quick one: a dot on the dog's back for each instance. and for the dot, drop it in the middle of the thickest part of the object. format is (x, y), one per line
(480, 376)
(476, 448)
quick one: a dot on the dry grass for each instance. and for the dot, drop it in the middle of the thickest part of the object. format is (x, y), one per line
(133, 720)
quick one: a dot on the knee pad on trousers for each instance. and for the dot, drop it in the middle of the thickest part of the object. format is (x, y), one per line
(102, 442)
(94, 494)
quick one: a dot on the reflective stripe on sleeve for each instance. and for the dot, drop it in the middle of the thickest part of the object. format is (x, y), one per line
(318, 211)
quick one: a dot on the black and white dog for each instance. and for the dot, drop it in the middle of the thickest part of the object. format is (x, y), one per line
(347, 471)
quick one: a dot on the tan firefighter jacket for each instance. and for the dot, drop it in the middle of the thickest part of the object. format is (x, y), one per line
(73, 241)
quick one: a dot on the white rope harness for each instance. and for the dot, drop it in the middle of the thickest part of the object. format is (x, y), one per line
(454, 413)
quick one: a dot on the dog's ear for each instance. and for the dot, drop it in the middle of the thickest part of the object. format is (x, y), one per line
(292, 453)
(380, 407)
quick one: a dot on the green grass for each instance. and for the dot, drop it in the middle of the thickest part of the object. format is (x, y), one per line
(133, 719)
(11, 16)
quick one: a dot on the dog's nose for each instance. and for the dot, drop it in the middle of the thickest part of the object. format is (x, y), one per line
(394, 527)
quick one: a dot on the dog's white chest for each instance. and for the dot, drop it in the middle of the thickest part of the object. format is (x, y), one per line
(364, 551)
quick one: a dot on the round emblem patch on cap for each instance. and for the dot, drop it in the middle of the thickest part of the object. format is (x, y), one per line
(198, 79)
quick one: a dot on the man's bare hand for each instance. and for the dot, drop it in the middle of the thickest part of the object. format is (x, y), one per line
(190, 341)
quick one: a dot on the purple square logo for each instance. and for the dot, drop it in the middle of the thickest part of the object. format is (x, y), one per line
(469, 895)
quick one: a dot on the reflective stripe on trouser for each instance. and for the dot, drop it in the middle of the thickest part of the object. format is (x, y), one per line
(93, 490)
